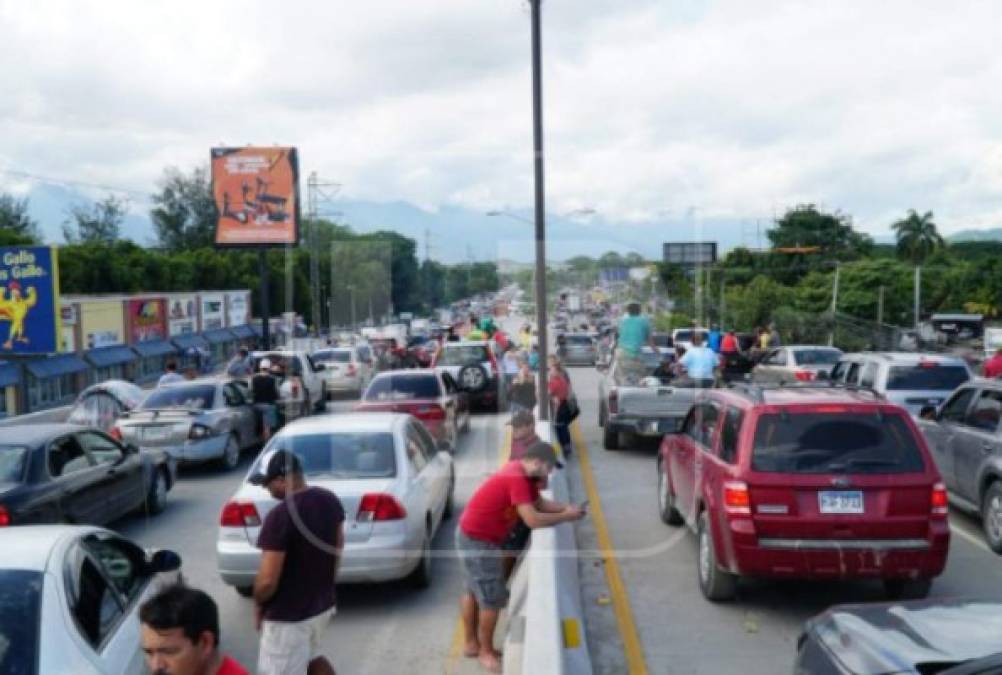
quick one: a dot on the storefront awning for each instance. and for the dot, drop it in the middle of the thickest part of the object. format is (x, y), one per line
(189, 340)
(154, 348)
(56, 365)
(219, 336)
(243, 332)
(10, 374)
(102, 357)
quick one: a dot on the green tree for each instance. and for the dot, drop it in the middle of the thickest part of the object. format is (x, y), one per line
(917, 236)
(184, 213)
(17, 227)
(805, 226)
(98, 222)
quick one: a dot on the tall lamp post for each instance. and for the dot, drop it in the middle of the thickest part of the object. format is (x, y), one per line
(537, 145)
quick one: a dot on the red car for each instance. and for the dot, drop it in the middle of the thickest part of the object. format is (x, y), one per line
(430, 396)
(807, 483)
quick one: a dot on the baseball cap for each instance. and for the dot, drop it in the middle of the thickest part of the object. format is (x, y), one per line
(279, 465)
(522, 418)
(265, 364)
(543, 451)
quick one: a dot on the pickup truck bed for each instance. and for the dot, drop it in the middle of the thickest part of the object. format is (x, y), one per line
(641, 410)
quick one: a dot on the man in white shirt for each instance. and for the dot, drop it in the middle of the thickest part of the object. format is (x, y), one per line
(171, 376)
(700, 362)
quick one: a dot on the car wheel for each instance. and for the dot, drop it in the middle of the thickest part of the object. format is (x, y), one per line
(666, 500)
(610, 438)
(231, 454)
(991, 516)
(907, 589)
(245, 591)
(421, 576)
(716, 584)
(450, 499)
(156, 500)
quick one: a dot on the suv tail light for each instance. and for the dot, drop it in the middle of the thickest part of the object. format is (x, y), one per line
(4, 516)
(940, 500)
(430, 412)
(804, 375)
(239, 514)
(737, 501)
(614, 401)
(115, 433)
(376, 507)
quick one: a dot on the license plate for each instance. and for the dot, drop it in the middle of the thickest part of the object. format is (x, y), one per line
(156, 433)
(841, 501)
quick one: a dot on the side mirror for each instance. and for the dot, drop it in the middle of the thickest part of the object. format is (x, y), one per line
(927, 412)
(164, 561)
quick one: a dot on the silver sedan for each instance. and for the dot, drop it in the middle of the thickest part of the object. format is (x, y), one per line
(395, 484)
(70, 598)
(194, 421)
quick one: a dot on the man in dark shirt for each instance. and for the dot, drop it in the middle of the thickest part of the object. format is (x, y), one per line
(301, 542)
(264, 388)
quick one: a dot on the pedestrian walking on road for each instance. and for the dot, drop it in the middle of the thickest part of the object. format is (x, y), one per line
(714, 338)
(180, 634)
(264, 390)
(522, 393)
(171, 376)
(487, 521)
(301, 541)
(992, 368)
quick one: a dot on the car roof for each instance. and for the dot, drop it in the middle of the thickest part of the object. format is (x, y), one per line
(200, 382)
(340, 423)
(800, 395)
(33, 435)
(410, 372)
(28, 547)
(908, 358)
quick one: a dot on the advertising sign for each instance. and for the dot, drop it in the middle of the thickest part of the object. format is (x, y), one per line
(181, 315)
(213, 311)
(257, 196)
(237, 313)
(690, 253)
(29, 300)
(147, 320)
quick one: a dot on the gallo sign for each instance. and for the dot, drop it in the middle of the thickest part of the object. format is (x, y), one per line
(29, 300)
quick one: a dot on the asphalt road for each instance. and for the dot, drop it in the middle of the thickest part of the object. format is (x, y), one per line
(387, 628)
(681, 633)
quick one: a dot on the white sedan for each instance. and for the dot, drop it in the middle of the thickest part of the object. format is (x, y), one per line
(345, 369)
(70, 598)
(395, 483)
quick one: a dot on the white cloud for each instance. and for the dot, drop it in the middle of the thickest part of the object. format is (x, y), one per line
(733, 107)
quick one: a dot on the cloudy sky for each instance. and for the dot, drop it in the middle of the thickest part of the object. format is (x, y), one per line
(654, 108)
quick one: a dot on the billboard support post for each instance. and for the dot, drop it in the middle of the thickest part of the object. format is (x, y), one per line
(262, 257)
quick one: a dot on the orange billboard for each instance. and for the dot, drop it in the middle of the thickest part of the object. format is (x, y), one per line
(257, 195)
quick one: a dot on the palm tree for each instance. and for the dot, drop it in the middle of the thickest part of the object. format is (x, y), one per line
(917, 236)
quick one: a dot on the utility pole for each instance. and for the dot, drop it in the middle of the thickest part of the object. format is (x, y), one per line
(831, 335)
(314, 192)
(427, 244)
(537, 145)
(331, 303)
(918, 294)
(880, 306)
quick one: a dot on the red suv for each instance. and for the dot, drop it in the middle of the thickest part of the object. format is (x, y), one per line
(807, 483)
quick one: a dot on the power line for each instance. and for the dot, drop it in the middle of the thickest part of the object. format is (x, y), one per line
(65, 182)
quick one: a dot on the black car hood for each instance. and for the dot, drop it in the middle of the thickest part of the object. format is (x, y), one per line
(885, 638)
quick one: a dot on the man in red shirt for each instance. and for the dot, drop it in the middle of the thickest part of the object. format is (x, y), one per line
(993, 366)
(180, 634)
(729, 344)
(497, 505)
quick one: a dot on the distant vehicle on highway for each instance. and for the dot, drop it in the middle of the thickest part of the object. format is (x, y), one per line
(70, 598)
(64, 473)
(100, 405)
(196, 421)
(429, 395)
(805, 482)
(913, 381)
(966, 441)
(796, 363)
(579, 349)
(395, 483)
(473, 365)
(948, 637)
(345, 369)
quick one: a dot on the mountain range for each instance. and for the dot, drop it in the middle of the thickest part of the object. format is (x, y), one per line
(453, 234)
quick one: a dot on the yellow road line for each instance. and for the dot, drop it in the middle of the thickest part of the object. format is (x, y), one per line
(458, 634)
(635, 663)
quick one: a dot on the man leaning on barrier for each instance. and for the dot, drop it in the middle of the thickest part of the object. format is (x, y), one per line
(507, 496)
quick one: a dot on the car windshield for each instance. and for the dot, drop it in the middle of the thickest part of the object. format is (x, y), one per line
(195, 397)
(662, 340)
(402, 387)
(332, 356)
(12, 461)
(20, 616)
(816, 357)
(341, 455)
(927, 377)
(842, 442)
(461, 355)
(578, 340)
(686, 335)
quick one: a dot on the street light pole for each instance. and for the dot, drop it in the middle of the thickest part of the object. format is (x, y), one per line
(537, 146)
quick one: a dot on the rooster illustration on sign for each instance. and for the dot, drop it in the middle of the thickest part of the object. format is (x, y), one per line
(14, 309)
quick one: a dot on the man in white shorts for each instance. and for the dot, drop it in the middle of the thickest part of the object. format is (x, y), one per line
(301, 542)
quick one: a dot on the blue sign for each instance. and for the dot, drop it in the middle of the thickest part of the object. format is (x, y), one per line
(29, 300)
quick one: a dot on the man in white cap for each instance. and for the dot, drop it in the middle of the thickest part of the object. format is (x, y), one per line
(264, 387)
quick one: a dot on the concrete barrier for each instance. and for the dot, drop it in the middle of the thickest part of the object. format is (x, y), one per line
(546, 631)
